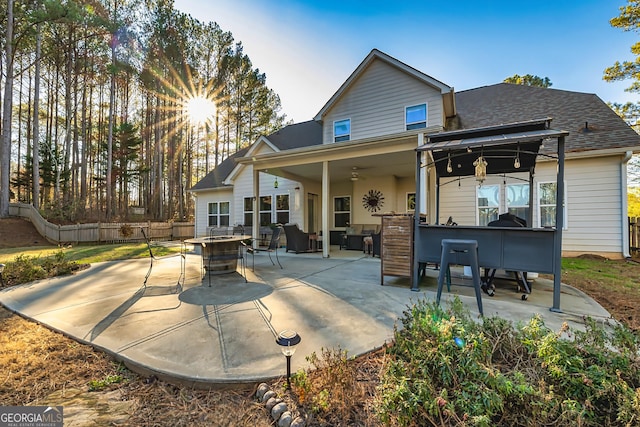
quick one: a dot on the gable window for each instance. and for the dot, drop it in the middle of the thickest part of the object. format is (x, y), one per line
(342, 130)
(248, 211)
(416, 116)
(218, 214)
(547, 204)
(341, 211)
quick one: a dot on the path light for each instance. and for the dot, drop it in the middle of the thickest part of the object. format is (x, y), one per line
(288, 340)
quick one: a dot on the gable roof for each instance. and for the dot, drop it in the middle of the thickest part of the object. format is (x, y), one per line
(375, 54)
(298, 135)
(292, 136)
(215, 178)
(591, 124)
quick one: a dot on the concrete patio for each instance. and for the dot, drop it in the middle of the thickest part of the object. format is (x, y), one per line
(182, 330)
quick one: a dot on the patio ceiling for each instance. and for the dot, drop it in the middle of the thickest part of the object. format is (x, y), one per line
(390, 156)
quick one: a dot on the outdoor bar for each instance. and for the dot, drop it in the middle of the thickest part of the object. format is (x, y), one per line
(501, 149)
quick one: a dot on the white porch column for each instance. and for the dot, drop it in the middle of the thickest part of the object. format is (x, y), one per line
(423, 180)
(326, 235)
(255, 226)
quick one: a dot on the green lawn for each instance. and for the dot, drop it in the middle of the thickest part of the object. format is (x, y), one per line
(90, 253)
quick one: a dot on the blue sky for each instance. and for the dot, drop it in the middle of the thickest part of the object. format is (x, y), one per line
(308, 48)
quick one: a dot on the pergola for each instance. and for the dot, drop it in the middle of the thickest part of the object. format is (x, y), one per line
(501, 149)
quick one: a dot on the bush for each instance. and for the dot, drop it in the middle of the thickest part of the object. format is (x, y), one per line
(330, 389)
(25, 269)
(446, 369)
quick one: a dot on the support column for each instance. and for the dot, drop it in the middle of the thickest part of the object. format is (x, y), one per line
(557, 268)
(326, 207)
(255, 225)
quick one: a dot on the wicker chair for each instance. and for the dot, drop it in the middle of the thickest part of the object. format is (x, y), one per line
(297, 240)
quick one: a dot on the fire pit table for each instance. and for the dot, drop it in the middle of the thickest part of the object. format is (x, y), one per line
(219, 253)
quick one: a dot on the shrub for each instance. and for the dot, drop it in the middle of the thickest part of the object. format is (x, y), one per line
(330, 388)
(447, 369)
(25, 269)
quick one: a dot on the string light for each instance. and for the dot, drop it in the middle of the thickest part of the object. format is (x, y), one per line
(449, 167)
(516, 162)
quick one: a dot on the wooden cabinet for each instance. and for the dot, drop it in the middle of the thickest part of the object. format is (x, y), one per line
(396, 258)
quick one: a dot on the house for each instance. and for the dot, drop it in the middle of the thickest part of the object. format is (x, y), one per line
(356, 158)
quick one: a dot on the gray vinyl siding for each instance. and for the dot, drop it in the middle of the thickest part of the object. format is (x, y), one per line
(376, 103)
(594, 205)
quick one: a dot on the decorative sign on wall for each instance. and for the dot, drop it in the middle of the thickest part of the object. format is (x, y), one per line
(373, 200)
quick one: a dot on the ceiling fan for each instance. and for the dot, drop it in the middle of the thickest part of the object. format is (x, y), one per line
(354, 174)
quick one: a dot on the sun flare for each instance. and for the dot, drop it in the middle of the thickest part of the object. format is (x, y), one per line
(200, 109)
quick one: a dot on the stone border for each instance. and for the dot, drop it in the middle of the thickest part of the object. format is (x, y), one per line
(277, 408)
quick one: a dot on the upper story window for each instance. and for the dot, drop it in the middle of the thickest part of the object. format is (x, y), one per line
(416, 116)
(342, 130)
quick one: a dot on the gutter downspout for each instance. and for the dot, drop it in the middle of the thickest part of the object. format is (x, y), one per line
(624, 204)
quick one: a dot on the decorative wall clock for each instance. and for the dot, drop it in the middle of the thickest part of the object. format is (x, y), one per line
(373, 200)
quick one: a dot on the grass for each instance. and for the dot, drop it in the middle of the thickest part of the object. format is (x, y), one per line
(90, 254)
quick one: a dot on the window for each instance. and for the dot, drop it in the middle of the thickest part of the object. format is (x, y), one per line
(282, 209)
(341, 211)
(517, 198)
(416, 116)
(488, 203)
(265, 210)
(411, 202)
(218, 213)
(342, 130)
(248, 211)
(547, 203)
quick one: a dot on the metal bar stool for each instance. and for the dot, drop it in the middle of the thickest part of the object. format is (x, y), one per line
(460, 252)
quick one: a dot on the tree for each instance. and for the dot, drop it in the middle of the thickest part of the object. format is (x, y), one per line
(5, 144)
(529, 80)
(628, 20)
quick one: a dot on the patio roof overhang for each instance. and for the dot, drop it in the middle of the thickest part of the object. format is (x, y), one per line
(387, 155)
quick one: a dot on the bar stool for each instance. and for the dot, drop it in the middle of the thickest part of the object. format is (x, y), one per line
(460, 252)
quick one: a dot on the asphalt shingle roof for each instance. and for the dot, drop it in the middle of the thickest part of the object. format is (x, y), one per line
(591, 124)
(293, 136)
(299, 135)
(215, 178)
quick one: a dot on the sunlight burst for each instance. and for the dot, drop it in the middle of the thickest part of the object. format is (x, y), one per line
(200, 109)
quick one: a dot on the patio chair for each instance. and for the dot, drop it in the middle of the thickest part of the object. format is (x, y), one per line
(297, 240)
(274, 243)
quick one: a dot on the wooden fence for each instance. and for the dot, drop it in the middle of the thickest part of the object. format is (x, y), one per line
(102, 232)
(634, 235)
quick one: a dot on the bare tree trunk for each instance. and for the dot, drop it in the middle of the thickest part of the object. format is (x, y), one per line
(112, 95)
(5, 148)
(36, 121)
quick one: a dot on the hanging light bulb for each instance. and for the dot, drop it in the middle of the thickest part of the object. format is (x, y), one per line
(516, 162)
(449, 167)
(481, 169)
